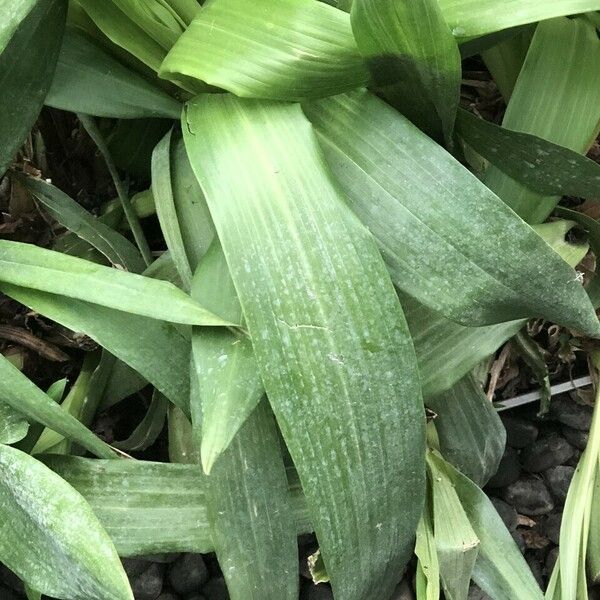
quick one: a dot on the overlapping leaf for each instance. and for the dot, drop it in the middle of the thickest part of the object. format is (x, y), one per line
(288, 50)
(27, 61)
(33, 267)
(328, 333)
(403, 187)
(88, 80)
(557, 98)
(409, 46)
(50, 537)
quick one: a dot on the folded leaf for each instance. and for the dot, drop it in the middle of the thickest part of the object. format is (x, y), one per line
(539, 165)
(428, 568)
(50, 537)
(23, 395)
(456, 543)
(229, 384)
(593, 549)
(288, 50)
(408, 43)
(88, 80)
(403, 187)
(467, 18)
(33, 267)
(27, 63)
(250, 514)
(328, 333)
(157, 350)
(470, 432)
(500, 569)
(162, 190)
(557, 98)
(119, 250)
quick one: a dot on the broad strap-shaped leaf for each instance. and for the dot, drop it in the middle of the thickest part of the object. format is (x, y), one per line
(88, 80)
(329, 336)
(33, 267)
(155, 349)
(149, 507)
(145, 507)
(288, 50)
(50, 537)
(539, 165)
(470, 432)
(557, 98)
(229, 384)
(428, 568)
(124, 32)
(13, 425)
(162, 190)
(27, 63)
(456, 543)
(500, 569)
(470, 18)
(593, 548)
(119, 250)
(408, 44)
(250, 514)
(23, 395)
(403, 187)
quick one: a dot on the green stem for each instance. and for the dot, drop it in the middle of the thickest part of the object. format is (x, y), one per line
(90, 126)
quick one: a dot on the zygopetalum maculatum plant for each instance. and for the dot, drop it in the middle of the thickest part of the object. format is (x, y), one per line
(345, 245)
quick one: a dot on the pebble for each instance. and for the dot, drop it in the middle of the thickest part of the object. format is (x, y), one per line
(519, 433)
(508, 471)
(552, 527)
(551, 560)
(6, 594)
(188, 574)
(168, 596)
(545, 453)
(148, 584)
(10, 580)
(196, 597)
(216, 589)
(536, 568)
(507, 513)
(520, 541)
(530, 496)
(558, 480)
(576, 437)
(571, 413)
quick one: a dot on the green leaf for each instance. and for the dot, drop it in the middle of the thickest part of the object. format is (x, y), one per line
(50, 537)
(250, 514)
(328, 333)
(428, 568)
(27, 65)
(537, 164)
(150, 427)
(557, 98)
(593, 548)
(403, 187)
(88, 80)
(23, 395)
(149, 507)
(578, 508)
(229, 384)
(304, 49)
(32, 267)
(470, 432)
(157, 350)
(162, 190)
(456, 543)
(500, 569)
(469, 19)
(407, 43)
(120, 251)
(13, 425)
(124, 32)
